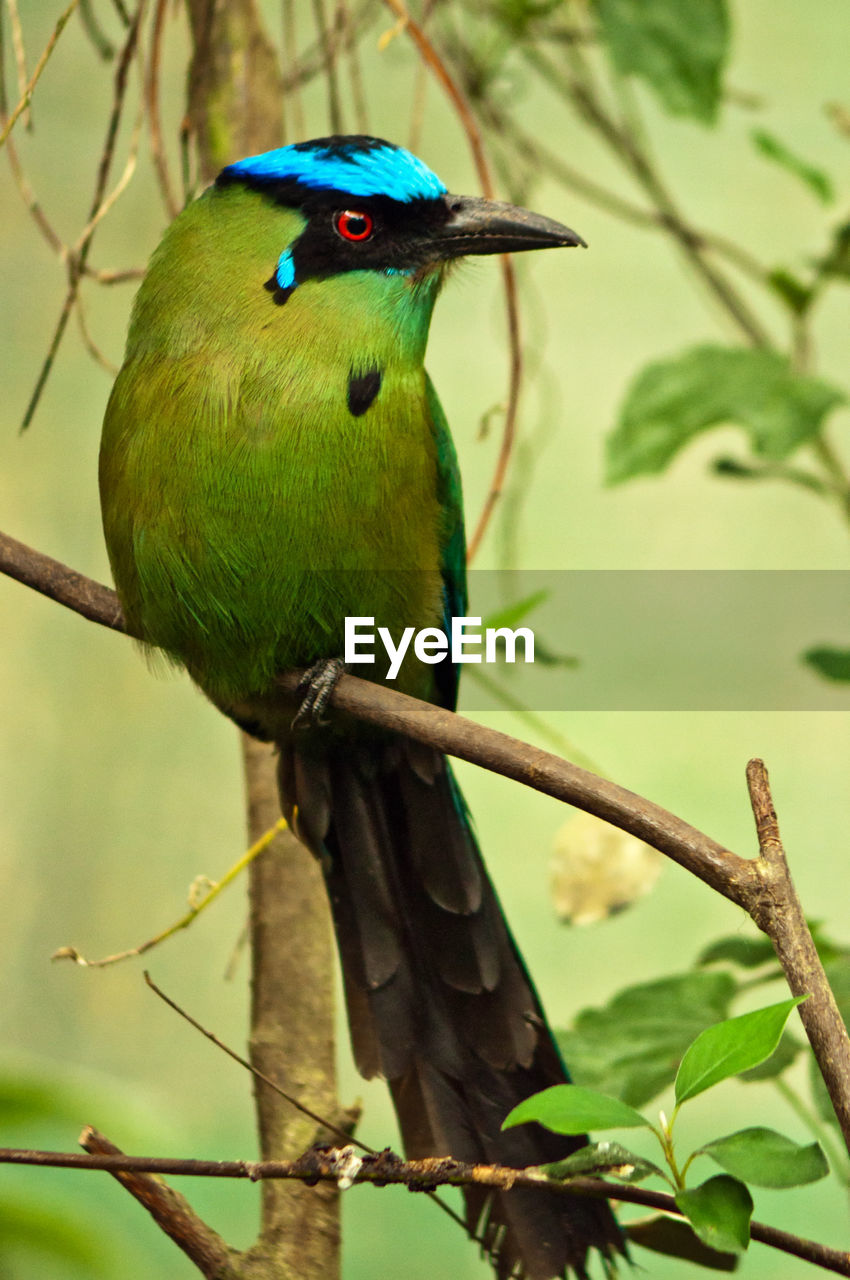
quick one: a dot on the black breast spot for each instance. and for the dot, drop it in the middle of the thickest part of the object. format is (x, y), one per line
(362, 389)
(280, 295)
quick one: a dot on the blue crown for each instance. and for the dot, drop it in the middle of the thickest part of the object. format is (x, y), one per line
(358, 166)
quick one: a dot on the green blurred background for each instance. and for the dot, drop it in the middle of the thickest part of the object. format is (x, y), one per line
(118, 788)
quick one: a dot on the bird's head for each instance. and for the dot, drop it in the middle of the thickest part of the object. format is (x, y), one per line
(371, 206)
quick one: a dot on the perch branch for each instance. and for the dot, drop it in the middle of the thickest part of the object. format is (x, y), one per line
(761, 886)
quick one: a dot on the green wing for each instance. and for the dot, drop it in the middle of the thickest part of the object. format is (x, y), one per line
(452, 539)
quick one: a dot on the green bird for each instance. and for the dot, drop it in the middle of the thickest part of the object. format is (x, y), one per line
(275, 460)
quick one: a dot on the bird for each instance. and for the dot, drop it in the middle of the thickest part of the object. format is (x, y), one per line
(274, 460)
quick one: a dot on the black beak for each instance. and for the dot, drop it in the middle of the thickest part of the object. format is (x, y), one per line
(488, 226)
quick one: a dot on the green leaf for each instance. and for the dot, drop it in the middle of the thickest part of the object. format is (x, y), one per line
(675, 1238)
(749, 953)
(567, 1108)
(815, 179)
(513, 614)
(604, 1159)
(719, 1212)
(677, 47)
(832, 664)
(734, 469)
(836, 262)
(730, 1047)
(767, 1158)
(780, 1060)
(631, 1046)
(798, 297)
(672, 401)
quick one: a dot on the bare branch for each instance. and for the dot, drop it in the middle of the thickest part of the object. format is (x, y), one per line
(158, 155)
(432, 59)
(345, 1167)
(328, 39)
(92, 600)
(762, 886)
(169, 1210)
(324, 1126)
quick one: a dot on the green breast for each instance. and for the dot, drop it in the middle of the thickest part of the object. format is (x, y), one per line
(247, 509)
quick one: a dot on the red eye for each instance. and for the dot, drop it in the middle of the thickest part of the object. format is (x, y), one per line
(354, 225)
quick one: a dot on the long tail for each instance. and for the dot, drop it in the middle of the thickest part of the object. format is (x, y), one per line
(439, 1001)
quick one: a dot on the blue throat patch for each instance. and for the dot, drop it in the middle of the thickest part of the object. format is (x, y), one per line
(359, 166)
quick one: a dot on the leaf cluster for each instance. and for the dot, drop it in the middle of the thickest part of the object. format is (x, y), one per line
(679, 1032)
(718, 1209)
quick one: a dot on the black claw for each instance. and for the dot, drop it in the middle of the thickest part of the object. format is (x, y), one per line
(318, 684)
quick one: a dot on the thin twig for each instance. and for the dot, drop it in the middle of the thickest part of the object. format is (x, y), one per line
(292, 78)
(432, 58)
(20, 55)
(346, 1167)
(170, 1211)
(348, 41)
(103, 45)
(581, 91)
(314, 61)
(195, 909)
(26, 96)
(108, 275)
(322, 1121)
(77, 262)
(325, 1125)
(33, 207)
(88, 341)
(160, 160)
(115, 194)
(51, 578)
(121, 9)
(328, 39)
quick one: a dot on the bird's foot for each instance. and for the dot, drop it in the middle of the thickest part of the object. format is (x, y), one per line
(318, 684)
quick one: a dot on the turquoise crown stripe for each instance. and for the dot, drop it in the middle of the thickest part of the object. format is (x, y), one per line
(376, 169)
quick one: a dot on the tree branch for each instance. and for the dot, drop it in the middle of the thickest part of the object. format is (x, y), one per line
(51, 578)
(778, 912)
(169, 1210)
(345, 1166)
(235, 110)
(761, 886)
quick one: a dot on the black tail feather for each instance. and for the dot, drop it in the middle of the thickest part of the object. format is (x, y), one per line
(439, 1001)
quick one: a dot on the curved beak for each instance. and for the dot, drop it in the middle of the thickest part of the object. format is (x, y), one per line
(476, 226)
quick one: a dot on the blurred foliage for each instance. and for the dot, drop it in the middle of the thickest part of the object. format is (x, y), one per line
(633, 1046)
